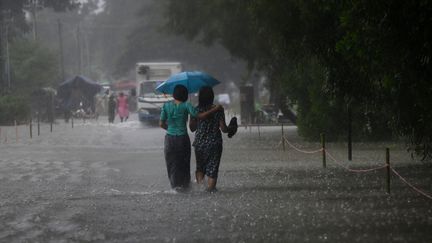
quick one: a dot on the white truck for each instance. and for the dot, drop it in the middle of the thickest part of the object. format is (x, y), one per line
(148, 76)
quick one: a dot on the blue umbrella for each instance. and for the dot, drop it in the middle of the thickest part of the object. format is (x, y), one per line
(193, 81)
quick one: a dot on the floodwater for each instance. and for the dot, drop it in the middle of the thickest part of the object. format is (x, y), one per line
(100, 182)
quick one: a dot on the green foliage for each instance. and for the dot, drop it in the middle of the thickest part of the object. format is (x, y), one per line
(389, 45)
(372, 57)
(13, 108)
(148, 40)
(13, 15)
(32, 67)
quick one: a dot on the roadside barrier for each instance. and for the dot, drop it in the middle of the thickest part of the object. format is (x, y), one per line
(410, 185)
(354, 170)
(33, 126)
(386, 166)
(3, 135)
(301, 150)
(16, 131)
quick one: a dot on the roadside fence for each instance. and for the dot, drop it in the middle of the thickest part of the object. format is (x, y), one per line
(23, 131)
(325, 153)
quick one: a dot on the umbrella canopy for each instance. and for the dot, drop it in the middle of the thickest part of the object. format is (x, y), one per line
(124, 85)
(193, 81)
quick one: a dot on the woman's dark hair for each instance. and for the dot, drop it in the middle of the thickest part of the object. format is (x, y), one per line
(180, 93)
(205, 96)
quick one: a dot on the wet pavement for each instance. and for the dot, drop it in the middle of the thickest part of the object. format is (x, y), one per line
(98, 182)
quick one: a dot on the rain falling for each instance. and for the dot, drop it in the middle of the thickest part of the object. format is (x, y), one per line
(210, 121)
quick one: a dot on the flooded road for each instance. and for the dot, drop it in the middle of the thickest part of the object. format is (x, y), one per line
(107, 183)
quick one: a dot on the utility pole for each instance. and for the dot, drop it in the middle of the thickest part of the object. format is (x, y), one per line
(88, 57)
(78, 39)
(5, 21)
(7, 64)
(33, 10)
(2, 59)
(32, 7)
(60, 33)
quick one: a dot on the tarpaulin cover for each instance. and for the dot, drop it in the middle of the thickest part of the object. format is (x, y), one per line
(87, 86)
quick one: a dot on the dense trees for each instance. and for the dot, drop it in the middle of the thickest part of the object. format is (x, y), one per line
(328, 58)
(32, 67)
(148, 40)
(331, 58)
(25, 65)
(115, 36)
(20, 59)
(391, 43)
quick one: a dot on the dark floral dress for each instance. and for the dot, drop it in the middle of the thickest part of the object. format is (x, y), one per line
(208, 143)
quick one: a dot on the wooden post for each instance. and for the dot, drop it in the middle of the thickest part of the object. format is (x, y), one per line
(16, 131)
(31, 128)
(51, 125)
(250, 123)
(323, 150)
(388, 169)
(283, 137)
(72, 121)
(38, 123)
(349, 133)
(259, 132)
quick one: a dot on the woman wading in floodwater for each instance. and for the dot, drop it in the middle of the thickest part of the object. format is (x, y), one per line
(173, 119)
(208, 139)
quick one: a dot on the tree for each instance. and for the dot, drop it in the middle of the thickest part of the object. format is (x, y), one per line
(32, 67)
(150, 41)
(13, 22)
(330, 57)
(389, 43)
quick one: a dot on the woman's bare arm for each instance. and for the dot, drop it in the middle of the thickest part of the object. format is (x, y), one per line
(193, 124)
(163, 125)
(223, 126)
(204, 115)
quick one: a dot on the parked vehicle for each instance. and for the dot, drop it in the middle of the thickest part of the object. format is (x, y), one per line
(268, 114)
(148, 76)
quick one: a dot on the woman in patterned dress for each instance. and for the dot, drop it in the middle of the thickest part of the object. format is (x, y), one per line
(208, 139)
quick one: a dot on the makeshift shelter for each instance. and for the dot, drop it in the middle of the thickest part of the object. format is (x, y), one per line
(78, 93)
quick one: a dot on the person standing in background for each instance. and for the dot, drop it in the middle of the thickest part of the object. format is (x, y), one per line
(123, 107)
(111, 108)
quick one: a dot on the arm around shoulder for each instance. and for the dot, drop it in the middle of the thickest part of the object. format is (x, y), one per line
(204, 115)
(193, 124)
